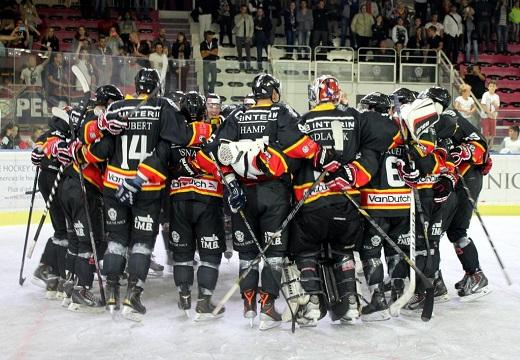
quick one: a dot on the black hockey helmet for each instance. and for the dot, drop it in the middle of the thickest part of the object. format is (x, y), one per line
(404, 95)
(437, 94)
(193, 106)
(228, 109)
(175, 96)
(106, 93)
(376, 101)
(146, 81)
(264, 85)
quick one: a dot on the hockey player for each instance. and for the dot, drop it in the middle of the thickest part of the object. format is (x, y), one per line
(387, 199)
(327, 217)
(135, 176)
(214, 110)
(265, 138)
(80, 260)
(51, 271)
(469, 152)
(195, 221)
(249, 101)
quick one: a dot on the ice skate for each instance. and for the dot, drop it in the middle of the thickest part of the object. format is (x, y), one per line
(352, 315)
(377, 310)
(112, 296)
(133, 309)
(204, 309)
(397, 289)
(310, 313)
(84, 301)
(249, 297)
(155, 269)
(440, 292)
(460, 284)
(416, 303)
(68, 287)
(269, 317)
(41, 276)
(60, 291)
(476, 286)
(184, 303)
(52, 288)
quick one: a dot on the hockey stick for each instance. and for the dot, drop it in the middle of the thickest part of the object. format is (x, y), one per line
(257, 243)
(416, 197)
(428, 304)
(398, 304)
(475, 210)
(86, 91)
(21, 279)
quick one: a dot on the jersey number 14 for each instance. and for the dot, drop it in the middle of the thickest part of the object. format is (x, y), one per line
(131, 152)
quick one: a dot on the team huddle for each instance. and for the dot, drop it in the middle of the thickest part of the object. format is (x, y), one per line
(300, 196)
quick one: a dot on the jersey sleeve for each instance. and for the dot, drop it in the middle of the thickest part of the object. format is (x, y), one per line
(98, 151)
(155, 167)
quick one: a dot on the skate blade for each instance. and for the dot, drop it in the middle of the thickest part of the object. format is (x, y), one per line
(38, 282)
(66, 302)
(376, 316)
(60, 295)
(268, 324)
(85, 309)
(349, 321)
(130, 314)
(50, 295)
(482, 292)
(155, 273)
(251, 316)
(442, 298)
(201, 317)
(307, 322)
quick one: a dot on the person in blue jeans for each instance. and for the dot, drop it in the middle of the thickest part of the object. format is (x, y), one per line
(290, 25)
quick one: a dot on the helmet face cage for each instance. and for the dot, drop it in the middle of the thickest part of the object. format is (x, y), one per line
(325, 89)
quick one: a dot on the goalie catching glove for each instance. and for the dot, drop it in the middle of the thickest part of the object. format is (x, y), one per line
(344, 178)
(129, 189)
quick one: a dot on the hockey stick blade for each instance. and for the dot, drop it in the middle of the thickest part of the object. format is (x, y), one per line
(60, 113)
(81, 78)
(337, 134)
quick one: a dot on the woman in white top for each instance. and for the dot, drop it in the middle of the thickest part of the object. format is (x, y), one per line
(465, 103)
(511, 143)
(400, 33)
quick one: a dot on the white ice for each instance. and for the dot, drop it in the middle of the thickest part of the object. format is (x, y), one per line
(32, 327)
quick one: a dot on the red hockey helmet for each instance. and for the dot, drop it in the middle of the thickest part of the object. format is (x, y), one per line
(325, 89)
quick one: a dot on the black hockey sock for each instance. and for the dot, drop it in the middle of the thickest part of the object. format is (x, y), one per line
(84, 271)
(309, 276)
(113, 264)
(61, 253)
(183, 274)
(397, 267)
(207, 276)
(272, 275)
(47, 253)
(467, 254)
(138, 265)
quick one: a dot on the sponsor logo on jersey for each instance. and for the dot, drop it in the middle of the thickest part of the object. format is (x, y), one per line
(143, 223)
(79, 228)
(239, 235)
(375, 240)
(209, 242)
(175, 237)
(112, 214)
(277, 240)
(388, 199)
(403, 239)
(437, 228)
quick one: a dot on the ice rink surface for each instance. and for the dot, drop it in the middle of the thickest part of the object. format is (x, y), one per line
(32, 327)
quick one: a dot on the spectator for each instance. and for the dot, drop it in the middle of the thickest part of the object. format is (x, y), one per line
(9, 137)
(5, 38)
(421, 9)
(476, 80)
(31, 19)
(320, 31)
(21, 36)
(129, 71)
(127, 26)
(32, 74)
(501, 21)
(418, 41)
(181, 52)
(452, 32)
(225, 21)
(243, 30)
(371, 7)
(399, 33)
(57, 80)
(470, 34)
(290, 25)
(253, 6)
(205, 8)
(433, 42)
(209, 54)
(159, 61)
(514, 18)
(465, 104)
(400, 11)
(345, 21)
(50, 40)
(304, 20)
(362, 27)
(81, 38)
(511, 143)
(491, 103)
(417, 24)
(439, 28)
(102, 59)
(483, 16)
(84, 63)
(37, 132)
(262, 33)
(138, 48)
(114, 41)
(379, 30)
(161, 39)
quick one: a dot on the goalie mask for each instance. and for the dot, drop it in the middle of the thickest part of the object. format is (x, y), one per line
(324, 89)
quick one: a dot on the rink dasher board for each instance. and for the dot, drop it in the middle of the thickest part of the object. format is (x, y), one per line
(500, 194)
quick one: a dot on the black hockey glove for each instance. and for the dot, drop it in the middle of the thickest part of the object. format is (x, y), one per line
(37, 155)
(185, 167)
(128, 190)
(407, 172)
(326, 160)
(443, 187)
(343, 179)
(235, 195)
